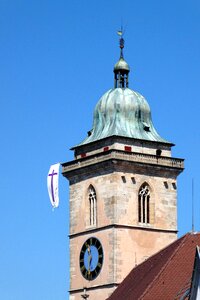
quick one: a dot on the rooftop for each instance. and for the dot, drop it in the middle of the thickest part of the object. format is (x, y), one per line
(165, 275)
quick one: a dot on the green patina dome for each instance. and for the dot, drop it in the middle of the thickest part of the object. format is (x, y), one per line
(123, 112)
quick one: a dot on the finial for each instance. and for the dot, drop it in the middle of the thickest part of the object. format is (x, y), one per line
(121, 68)
(121, 41)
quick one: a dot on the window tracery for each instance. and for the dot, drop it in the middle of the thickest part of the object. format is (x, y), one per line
(92, 206)
(144, 204)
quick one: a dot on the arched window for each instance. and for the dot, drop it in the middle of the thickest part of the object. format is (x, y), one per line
(144, 204)
(92, 206)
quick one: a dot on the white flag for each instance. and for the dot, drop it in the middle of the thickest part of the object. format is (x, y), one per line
(52, 184)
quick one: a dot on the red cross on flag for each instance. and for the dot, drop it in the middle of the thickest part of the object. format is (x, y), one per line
(52, 184)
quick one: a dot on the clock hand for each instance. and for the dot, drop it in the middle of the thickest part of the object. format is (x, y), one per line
(89, 258)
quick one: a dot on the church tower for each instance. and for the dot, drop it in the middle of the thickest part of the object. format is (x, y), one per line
(123, 191)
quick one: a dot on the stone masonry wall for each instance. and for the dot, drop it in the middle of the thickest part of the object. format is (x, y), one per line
(117, 203)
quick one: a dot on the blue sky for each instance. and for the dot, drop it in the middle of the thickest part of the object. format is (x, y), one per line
(56, 60)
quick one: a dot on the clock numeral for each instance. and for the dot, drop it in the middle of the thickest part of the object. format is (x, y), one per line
(89, 275)
(99, 264)
(85, 274)
(82, 268)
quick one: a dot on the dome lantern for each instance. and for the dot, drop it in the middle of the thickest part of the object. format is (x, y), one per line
(121, 68)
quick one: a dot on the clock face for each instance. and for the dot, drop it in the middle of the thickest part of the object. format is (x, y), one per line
(91, 258)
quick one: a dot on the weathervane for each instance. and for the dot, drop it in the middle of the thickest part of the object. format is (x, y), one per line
(121, 68)
(121, 41)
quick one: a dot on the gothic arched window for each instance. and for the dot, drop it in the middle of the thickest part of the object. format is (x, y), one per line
(144, 204)
(92, 206)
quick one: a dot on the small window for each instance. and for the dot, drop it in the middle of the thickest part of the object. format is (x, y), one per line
(166, 184)
(124, 179)
(146, 126)
(144, 204)
(92, 206)
(133, 180)
(105, 149)
(174, 185)
(127, 148)
(89, 132)
(158, 152)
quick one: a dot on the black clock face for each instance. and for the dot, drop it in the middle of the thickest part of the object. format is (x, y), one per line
(91, 258)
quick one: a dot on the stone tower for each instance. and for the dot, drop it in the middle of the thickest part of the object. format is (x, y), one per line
(123, 192)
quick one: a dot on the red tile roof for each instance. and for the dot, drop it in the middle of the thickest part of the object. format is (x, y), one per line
(165, 275)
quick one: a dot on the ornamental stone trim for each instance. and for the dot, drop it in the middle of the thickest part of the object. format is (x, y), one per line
(120, 155)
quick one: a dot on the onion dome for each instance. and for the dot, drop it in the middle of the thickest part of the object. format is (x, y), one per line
(122, 111)
(121, 65)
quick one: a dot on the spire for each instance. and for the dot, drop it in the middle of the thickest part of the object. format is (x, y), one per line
(121, 68)
(121, 43)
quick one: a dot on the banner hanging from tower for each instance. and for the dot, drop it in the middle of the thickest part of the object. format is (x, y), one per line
(52, 184)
